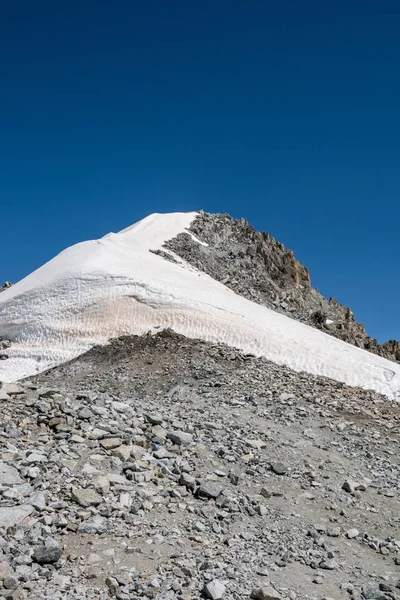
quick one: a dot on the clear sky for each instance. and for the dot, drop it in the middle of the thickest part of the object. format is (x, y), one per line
(285, 112)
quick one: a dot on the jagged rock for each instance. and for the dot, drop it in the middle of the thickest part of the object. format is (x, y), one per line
(38, 500)
(97, 524)
(258, 267)
(209, 489)
(5, 286)
(13, 515)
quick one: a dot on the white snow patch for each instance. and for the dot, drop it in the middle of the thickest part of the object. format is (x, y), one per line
(100, 289)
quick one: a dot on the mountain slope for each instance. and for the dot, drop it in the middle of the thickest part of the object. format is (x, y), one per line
(156, 466)
(128, 283)
(258, 267)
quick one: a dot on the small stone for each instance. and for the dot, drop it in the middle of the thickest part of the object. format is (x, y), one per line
(180, 438)
(85, 413)
(110, 443)
(352, 533)
(256, 443)
(309, 433)
(350, 486)
(38, 500)
(10, 583)
(97, 524)
(187, 480)
(214, 589)
(122, 452)
(373, 594)
(35, 457)
(161, 453)
(265, 593)
(384, 587)
(12, 389)
(112, 585)
(159, 432)
(49, 552)
(154, 419)
(12, 515)
(209, 489)
(329, 565)
(102, 484)
(86, 497)
(9, 475)
(278, 468)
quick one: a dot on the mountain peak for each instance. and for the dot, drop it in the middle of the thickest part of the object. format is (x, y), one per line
(149, 277)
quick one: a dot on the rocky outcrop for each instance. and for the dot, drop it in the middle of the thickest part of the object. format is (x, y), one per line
(258, 267)
(5, 286)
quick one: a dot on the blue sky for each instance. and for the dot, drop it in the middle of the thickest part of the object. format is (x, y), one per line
(284, 112)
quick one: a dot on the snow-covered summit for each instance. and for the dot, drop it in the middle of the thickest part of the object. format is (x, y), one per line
(119, 284)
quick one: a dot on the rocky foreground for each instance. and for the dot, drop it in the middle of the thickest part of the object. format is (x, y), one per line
(166, 468)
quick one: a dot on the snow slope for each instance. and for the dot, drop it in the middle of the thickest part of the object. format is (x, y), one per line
(100, 289)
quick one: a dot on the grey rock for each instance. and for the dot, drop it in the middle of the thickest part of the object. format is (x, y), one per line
(209, 489)
(10, 583)
(187, 480)
(9, 475)
(352, 533)
(350, 486)
(329, 565)
(180, 438)
(215, 589)
(85, 413)
(86, 497)
(97, 524)
(38, 500)
(265, 593)
(110, 443)
(278, 468)
(13, 515)
(12, 389)
(373, 594)
(47, 553)
(154, 419)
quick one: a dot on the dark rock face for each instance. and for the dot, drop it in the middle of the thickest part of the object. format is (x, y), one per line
(5, 286)
(258, 267)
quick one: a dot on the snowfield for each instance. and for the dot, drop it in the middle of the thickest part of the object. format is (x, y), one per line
(116, 285)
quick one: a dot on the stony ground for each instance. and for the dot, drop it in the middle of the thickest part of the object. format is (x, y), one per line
(165, 468)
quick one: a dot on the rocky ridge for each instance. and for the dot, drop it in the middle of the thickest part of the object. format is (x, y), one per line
(4, 344)
(258, 267)
(159, 467)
